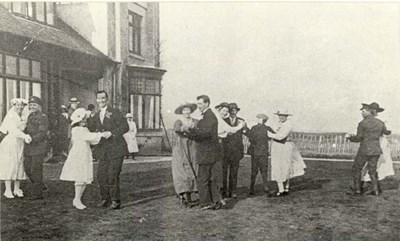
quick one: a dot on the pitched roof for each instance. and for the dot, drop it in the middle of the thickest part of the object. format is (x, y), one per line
(65, 38)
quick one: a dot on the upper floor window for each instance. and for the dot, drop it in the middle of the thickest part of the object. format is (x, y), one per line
(135, 29)
(38, 11)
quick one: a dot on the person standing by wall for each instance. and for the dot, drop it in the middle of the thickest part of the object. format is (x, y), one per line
(130, 136)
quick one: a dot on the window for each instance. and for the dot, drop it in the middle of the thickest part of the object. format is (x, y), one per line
(39, 11)
(134, 31)
(146, 111)
(21, 79)
(145, 102)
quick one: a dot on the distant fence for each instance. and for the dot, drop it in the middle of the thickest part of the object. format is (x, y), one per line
(323, 145)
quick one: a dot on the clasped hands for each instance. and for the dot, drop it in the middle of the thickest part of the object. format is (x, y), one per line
(106, 134)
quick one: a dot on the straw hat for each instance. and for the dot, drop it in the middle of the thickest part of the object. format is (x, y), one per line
(78, 115)
(191, 106)
(283, 112)
(129, 115)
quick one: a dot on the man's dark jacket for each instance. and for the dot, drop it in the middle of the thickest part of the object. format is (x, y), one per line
(368, 132)
(206, 135)
(258, 137)
(233, 143)
(115, 146)
(37, 126)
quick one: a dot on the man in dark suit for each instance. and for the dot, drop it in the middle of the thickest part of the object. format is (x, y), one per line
(110, 151)
(37, 126)
(369, 130)
(259, 150)
(233, 152)
(207, 156)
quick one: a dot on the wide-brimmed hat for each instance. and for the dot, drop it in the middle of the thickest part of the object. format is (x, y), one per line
(35, 99)
(18, 100)
(191, 106)
(78, 115)
(221, 105)
(234, 106)
(283, 112)
(373, 106)
(129, 115)
(74, 100)
(262, 116)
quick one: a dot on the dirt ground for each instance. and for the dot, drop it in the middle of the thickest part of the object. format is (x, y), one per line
(317, 209)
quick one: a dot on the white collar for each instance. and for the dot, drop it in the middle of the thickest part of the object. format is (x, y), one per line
(103, 109)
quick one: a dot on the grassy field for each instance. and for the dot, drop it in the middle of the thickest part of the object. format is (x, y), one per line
(316, 209)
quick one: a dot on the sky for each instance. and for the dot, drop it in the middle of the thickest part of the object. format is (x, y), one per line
(319, 61)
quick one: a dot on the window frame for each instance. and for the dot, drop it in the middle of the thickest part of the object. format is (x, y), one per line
(136, 30)
(32, 6)
(18, 78)
(157, 126)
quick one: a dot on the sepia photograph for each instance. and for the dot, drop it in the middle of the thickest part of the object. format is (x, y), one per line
(200, 120)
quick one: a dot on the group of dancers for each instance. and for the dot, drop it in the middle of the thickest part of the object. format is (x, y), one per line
(205, 157)
(206, 153)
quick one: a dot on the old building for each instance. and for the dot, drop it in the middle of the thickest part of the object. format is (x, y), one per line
(40, 55)
(58, 51)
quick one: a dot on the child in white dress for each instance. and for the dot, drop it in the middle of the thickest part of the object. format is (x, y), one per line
(79, 167)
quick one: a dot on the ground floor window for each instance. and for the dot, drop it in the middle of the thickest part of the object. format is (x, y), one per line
(19, 78)
(146, 111)
(19, 89)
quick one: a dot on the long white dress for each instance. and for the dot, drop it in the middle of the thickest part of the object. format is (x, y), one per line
(385, 162)
(130, 138)
(79, 167)
(12, 148)
(286, 161)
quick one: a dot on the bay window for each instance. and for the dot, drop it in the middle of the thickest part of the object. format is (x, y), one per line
(145, 103)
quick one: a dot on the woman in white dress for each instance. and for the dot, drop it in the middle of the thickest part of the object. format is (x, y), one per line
(130, 136)
(12, 148)
(385, 162)
(286, 161)
(79, 167)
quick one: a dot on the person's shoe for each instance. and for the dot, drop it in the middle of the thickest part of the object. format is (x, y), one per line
(104, 203)
(223, 202)
(353, 192)
(234, 195)
(193, 203)
(208, 207)
(18, 193)
(115, 205)
(276, 194)
(79, 205)
(217, 205)
(252, 193)
(8, 195)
